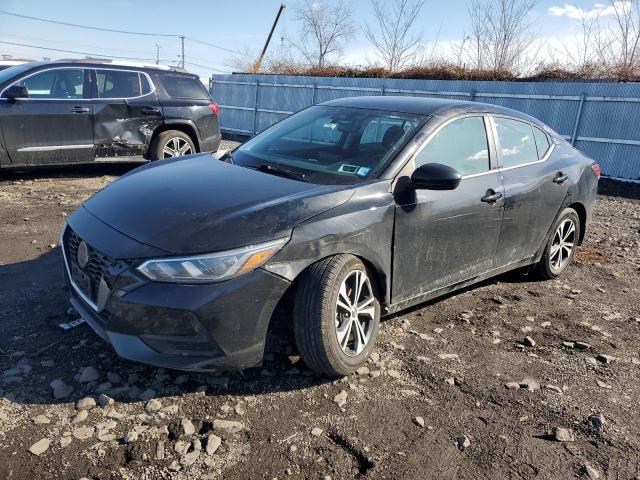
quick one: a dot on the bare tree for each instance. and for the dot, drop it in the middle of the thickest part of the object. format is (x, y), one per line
(243, 61)
(626, 33)
(324, 28)
(392, 35)
(501, 32)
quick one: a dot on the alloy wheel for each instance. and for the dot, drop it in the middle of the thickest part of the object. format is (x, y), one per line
(355, 313)
(176, 147)
(562, 245)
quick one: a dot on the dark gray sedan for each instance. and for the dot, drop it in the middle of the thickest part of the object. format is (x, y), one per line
(359, 206)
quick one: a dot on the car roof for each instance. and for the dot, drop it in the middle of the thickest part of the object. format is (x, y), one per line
(428, 106)
(97, 63)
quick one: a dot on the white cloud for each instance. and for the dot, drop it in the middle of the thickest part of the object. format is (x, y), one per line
(598, 10)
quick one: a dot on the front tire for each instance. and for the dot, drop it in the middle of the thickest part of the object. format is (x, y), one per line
(172, 143)
(561, 245)
(336, 315)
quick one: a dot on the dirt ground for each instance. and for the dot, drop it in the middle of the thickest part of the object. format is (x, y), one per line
(454, 390)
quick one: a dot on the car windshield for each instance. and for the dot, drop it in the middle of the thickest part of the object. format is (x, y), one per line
(330, 145)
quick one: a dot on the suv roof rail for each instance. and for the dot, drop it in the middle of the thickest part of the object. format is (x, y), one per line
(120, 63)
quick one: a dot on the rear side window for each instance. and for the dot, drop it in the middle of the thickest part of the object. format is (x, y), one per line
(59, 83)
(319, 132)
(386, 130)
(461, 144)
(542, 141)
(121, 84)
(179, 86)
(517, 145)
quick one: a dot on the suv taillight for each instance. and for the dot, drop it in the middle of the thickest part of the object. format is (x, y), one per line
(596, 170)
(214, 108)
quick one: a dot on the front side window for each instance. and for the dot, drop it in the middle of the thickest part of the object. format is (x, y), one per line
(331, 145)
(120, 84)
(461, 144)
(517, 144)
(58, 84)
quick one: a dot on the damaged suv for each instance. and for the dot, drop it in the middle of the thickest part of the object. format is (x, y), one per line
(80, 111)
(358, 207)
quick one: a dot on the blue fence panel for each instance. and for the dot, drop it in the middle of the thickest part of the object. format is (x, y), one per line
(602, 116)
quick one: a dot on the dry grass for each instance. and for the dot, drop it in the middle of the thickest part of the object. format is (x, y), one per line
(448, 71)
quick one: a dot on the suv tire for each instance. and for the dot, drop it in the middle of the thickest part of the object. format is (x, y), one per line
(171, 141)
(336, 315)
(561, 245)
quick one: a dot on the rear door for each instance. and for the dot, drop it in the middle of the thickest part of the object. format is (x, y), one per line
(126, 112)
(54, 124)
(535, 185)
(444, 237)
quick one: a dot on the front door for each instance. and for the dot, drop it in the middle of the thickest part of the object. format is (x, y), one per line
(54, 124)
(445, 237)
(126, 112)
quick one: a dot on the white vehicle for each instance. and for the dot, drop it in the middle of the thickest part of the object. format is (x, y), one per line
(10, 63)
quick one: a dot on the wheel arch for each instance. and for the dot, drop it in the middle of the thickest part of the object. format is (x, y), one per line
(380, 276)
(185, 128)
(582, 215)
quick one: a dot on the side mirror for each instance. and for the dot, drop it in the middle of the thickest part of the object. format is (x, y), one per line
(435, 176)
(16, 91)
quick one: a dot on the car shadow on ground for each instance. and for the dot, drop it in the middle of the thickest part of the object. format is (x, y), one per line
(69, 171)
(35, 350)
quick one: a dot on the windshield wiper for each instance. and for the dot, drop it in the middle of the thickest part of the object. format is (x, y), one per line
(269, 168)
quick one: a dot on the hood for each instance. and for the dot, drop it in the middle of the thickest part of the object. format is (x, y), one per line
(197, 204)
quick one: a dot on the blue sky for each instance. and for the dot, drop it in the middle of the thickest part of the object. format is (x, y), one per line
(235, 25)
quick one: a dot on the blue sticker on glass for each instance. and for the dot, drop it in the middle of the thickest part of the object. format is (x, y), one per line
(363, 171)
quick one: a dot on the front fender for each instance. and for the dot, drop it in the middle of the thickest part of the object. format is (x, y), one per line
(362, 227)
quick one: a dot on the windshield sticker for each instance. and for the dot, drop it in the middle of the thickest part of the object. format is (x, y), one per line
(363, 171)
(346, 168)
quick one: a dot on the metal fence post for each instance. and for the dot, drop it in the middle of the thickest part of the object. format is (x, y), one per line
(472, 94)
(382, 91)
(255, 109)
(574, 135)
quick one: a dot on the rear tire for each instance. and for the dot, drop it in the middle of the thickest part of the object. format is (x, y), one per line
(171, 143)
(336, 315)
(561, 245)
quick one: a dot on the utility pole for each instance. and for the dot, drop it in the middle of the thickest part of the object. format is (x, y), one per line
(157, 53)
(258, 64)
(182, 41)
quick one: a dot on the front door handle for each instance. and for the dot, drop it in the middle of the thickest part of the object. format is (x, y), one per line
(560, 178)
(491, 197)
(79, 109)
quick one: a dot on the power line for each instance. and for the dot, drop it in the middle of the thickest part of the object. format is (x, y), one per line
(73, 51)
(84, 45)
(207, 67)
(217, 46)
(127, 32)
(91, 54)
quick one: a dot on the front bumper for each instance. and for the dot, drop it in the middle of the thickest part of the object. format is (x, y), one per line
(190, 327)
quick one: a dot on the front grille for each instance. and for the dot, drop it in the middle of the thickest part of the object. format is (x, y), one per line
(86, 279)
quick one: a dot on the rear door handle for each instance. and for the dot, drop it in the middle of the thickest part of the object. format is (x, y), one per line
(560, 178)
(150, 111)
(79, 109)
(491, 197)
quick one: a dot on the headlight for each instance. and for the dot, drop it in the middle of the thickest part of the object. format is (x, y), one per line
(213, 267)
